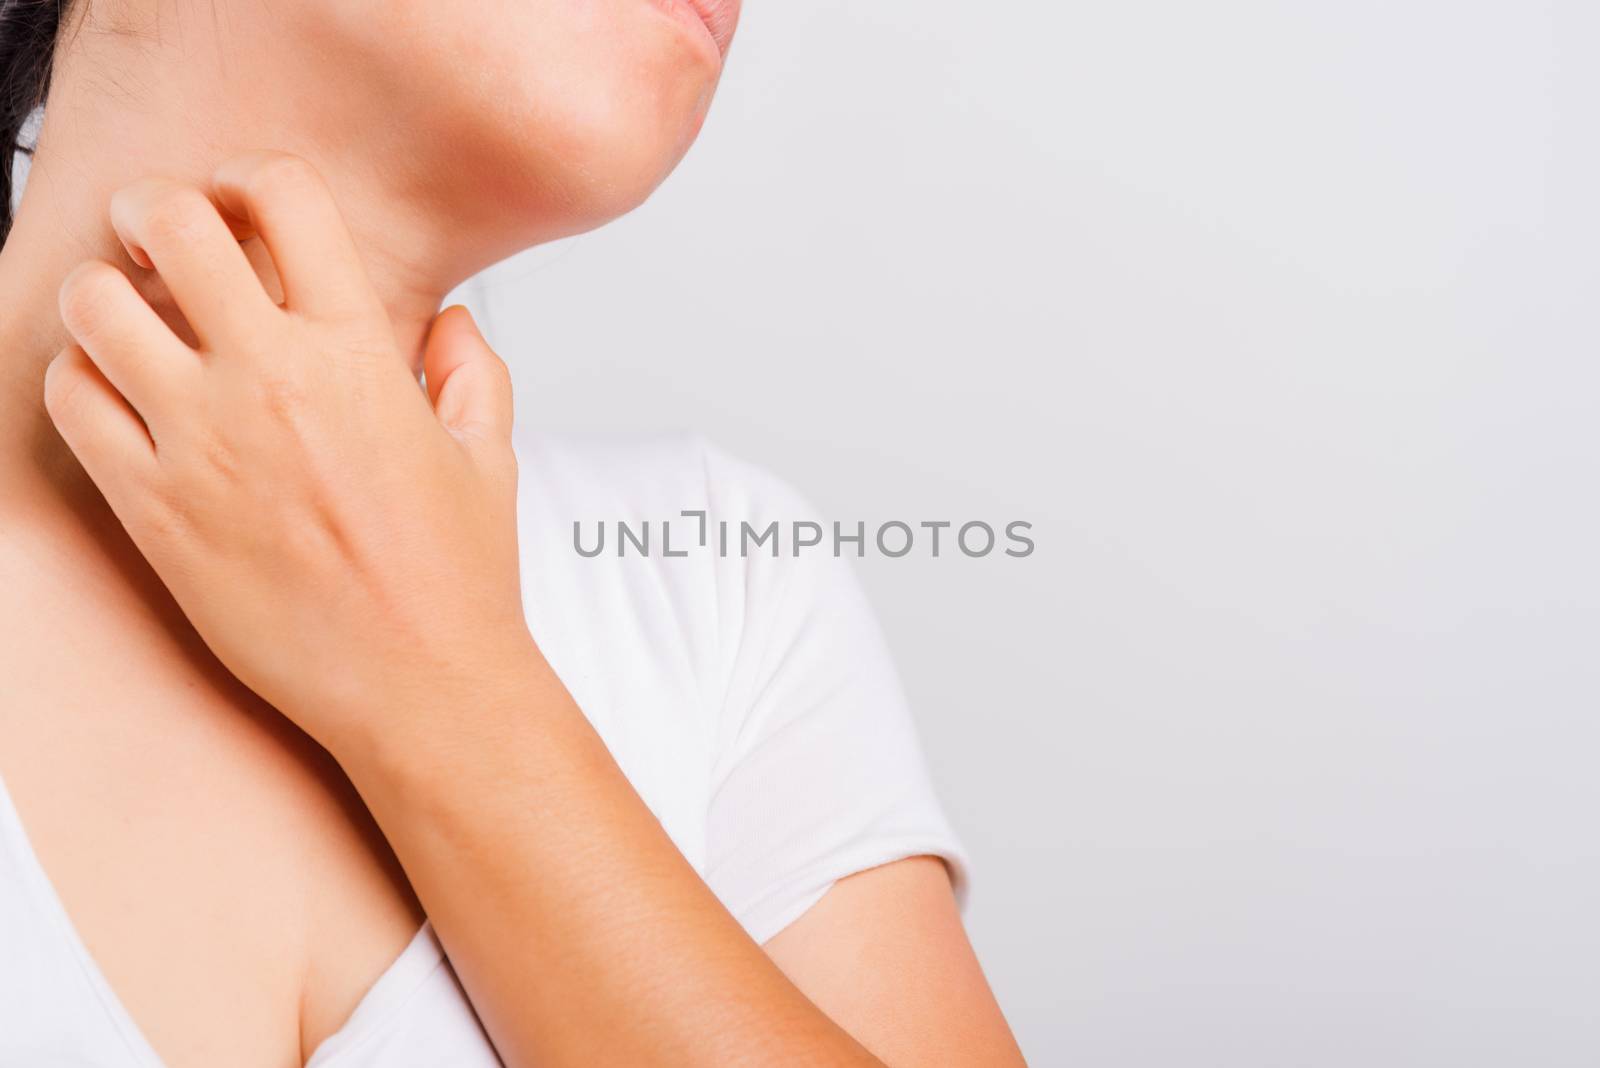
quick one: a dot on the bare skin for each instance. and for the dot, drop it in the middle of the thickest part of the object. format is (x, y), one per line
(218, 866)
(224, 871)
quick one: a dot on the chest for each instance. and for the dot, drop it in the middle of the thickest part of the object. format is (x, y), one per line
(188, 878)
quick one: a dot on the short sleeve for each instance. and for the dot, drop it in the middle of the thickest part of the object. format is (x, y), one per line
(818, 772)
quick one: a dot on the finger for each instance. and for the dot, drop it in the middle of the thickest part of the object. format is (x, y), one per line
(469, 385)
(98, 425)
(287, 203)
(175, 229)
(126, 339)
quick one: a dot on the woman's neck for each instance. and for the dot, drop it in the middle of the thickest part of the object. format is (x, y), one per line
(81, 160)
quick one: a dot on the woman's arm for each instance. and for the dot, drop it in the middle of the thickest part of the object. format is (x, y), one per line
(347, 546)
(885, 956)
(578, 929)
(583, 936)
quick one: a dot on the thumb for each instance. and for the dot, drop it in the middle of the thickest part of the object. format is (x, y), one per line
(468, 384)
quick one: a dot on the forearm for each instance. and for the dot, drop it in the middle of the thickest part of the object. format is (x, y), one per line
(581, 934)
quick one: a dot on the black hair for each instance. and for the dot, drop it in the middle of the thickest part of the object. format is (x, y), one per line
(28, 32)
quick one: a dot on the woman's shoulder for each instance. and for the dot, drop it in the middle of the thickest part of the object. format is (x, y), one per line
(635, 473)
(650, 623)
(709, 623)
(669, 524)
(661, 564)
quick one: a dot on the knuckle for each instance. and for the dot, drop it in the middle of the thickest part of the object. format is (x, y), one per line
(283, 396)
(499, 457)
(499, 374)
(222, 457)
(493, 378)
(166, 513)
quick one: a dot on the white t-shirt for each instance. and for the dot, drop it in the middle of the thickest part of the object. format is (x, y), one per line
(748, 696)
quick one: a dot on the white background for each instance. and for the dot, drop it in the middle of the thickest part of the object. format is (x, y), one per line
(1279, 321)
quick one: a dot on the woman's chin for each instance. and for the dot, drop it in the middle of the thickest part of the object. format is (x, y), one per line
(598, 162)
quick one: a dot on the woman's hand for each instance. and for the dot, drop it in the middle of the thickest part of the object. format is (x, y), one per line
(344, 542)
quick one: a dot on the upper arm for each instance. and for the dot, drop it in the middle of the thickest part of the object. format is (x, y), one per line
(824, 835)
(817, 773)
(884, 954)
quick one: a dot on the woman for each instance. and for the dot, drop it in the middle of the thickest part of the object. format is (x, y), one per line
(276, 688)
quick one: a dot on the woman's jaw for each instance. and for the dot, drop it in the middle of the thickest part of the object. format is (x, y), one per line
(451, 135)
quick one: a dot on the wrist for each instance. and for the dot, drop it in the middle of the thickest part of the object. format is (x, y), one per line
(423, 725)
